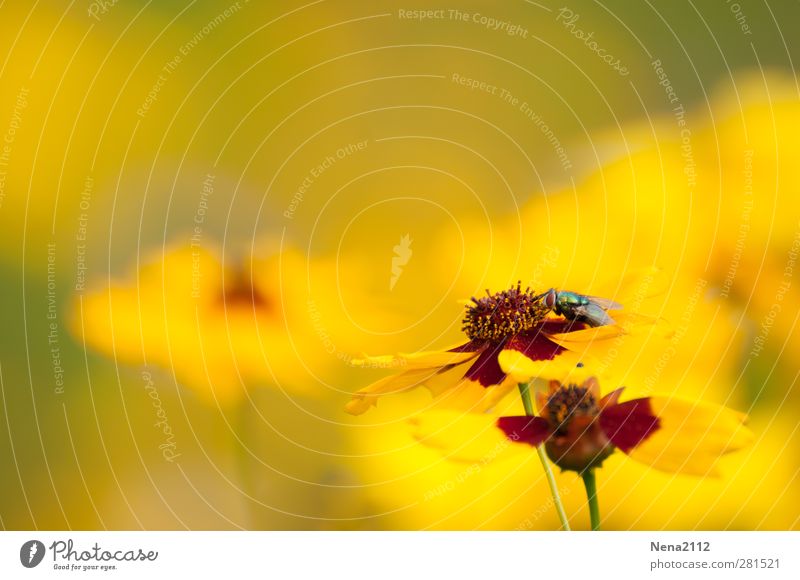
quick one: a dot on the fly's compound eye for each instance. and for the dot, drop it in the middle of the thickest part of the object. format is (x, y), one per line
(550, 299)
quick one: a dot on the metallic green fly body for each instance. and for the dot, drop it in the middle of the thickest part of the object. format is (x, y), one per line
(573, 306)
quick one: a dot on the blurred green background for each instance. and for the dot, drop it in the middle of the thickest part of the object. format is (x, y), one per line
(97, 174)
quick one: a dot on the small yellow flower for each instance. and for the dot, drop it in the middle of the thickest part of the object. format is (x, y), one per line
(513, 336)
(214, 327)
(580, 429)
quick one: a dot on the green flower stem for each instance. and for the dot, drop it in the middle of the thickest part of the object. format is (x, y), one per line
(591, 494)
(524, 391)
(240, 432)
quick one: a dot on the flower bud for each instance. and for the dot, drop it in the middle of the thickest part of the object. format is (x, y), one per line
(577, 442)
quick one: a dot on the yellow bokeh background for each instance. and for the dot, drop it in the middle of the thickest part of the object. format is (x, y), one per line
(157, 160)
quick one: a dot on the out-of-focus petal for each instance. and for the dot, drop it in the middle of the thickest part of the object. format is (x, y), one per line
(611, 398)
(691, 436)
(471, 396)
(524, 429)
(629, 424)
(467, 437)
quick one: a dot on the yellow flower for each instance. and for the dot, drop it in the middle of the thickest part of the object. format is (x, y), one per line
(512, 337)
(581, 428)
(455, 470)
(215, 329)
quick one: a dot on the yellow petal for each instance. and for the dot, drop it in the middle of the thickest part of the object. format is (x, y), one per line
(692, 436)
(570, 339)
(471, 396)
(522, 369)
(639, 324)
(368, 397)
(417, 360)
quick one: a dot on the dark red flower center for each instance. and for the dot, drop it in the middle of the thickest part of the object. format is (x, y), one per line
(239, 291)
(503, 314)
(578, 441)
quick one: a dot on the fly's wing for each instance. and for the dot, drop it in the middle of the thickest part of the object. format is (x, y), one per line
(636, 286)
(593, 314)
(604, 303)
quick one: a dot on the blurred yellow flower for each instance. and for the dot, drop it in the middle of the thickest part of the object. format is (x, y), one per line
(218, 331)
(580, 429)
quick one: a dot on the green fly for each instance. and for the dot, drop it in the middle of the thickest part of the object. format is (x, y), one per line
(574, 306)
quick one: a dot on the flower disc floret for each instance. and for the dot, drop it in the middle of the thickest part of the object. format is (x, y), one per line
(567, 402)
(501, 315)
